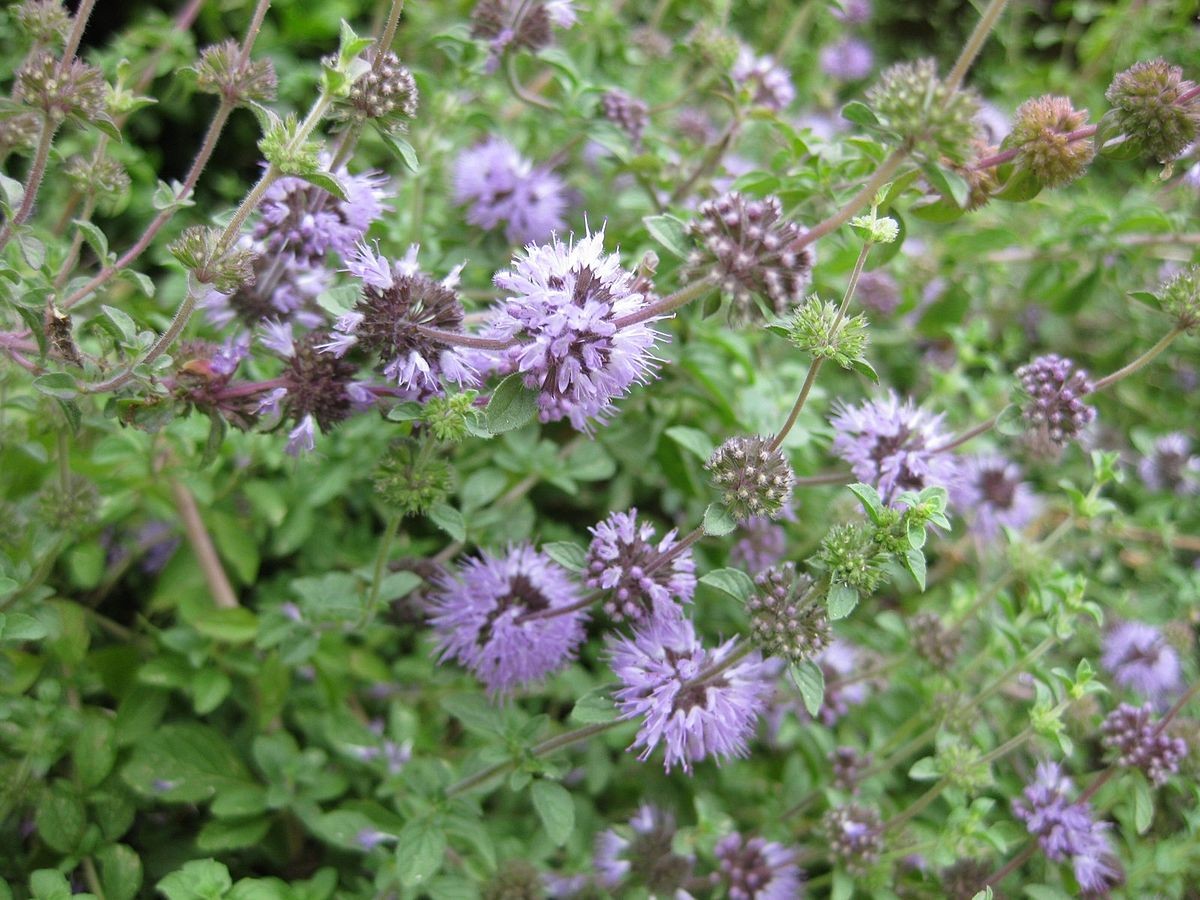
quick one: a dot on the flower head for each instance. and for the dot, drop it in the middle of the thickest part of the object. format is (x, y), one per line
(915, 105)
(1171, 466)
(847, 60)
(757, 869)
(878, 292)
(991, 493)
(761, 545)
(642, 854)
(754, 478)
(1053, 406)
(849, 765)
(308, 222)
(1140, 743)
(74, 89)
(1040, 132)
(565, 304)
(486, 617)
(1179, 297)
(622, 559)
(1139, 658)
(855, 835)
(316, 384)
(934, 642)
(768, 83)
(386, 91)
(501, 187)
(1147, 108)
(752, 251)
(893, 445)
(628, 113)
(788, 618)
(664, 676)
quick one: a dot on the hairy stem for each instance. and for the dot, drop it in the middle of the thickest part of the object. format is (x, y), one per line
(202, 545)
(669, 303)
(381, 558)
(975, 43)
(33, 181)
(863, 198)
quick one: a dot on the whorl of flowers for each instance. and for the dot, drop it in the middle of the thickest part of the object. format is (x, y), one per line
(847, 60)
(398, 304)
(519, 24)
(1139, 658)
(754, 478)
(914, 104)
(43, 21)
(1040, 133)
(623, 559)
(1067, 831)
(878, 292)
(855, 835)
(224, 70)
(19, 133)
(1171, 466)
(564, 304)
(1179, 297)
(386, 91)
(849, 765)
(1147, 108)
(752, 251)
(757, 869)
(308, 222)
(934, 642)
(318, 389)
(992, 495)
(893, 445)
(1133, 733)
(628, 113)
(788, 617)
(501, 187)
(412, 480)
(645, 856)
(671, 683)
(78, 90)
(105, 180)
(767, 83)
(485, 617)
(1053, 407)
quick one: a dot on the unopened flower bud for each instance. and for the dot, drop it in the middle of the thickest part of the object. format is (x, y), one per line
(754, 478)
(816, 328)
(412, 481)
(19, 133)
(934, 642)
(386, 91)
(855, 835)
(1040, 133)
(105, 180)
(787, 618)
(225, 268)
(1179, 297)
(913, 103)
(1053, 407)
(628, 113)
(222, 71)
(1147, 108)
(1133, 733)
(44, 21)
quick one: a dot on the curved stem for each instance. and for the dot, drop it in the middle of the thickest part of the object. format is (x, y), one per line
(669, 303)
(1125, 371)
(556, 611)
(975, 43)
(863, 198)
(823, 478)
(78, 24)
(389, 32)
(202, 545)
(519, 91)
(969, 434)
(381, 558)
(33, 182)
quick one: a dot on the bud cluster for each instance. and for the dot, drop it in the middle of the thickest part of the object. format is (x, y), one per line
(449, 416)
(786, 618)
(1146, 108)
(1053, 407)
(1133, 734)
(855, 835)
(387, 91)
(934, 642)
(628, 113)
(911, 102)
(282, 147)
(1179, 297)
(226, 268)
(1040, 134)
(19, 133)
(223, 71)
(752, 251)
(851, 556)
(105, 180)
(77, 90)
(849, 767)
(819, 328)
(43, 21)
(411, 479)
(755, 479)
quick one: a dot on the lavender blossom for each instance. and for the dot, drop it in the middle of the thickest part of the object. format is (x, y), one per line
(893, 445)
(769, 84)
(501, 187)
(1141, 743)
(1171, 466)
(855, 835)
(1139, 658)
(852, 12)
(623, 560)
(992, 495)
(850, 59)
(565, 304)
(486, 617)
(645, 857)
(1067, 830)
(308, 222)
(761, 545)
(758, 869)
(673, 684)
(1053, 408)
(878, 292)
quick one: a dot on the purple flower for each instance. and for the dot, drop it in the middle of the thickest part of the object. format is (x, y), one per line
(306, 221)
(878, 292)
(1067, 830)
(758, 869)
(278, 337)
(502, 187)
(855, 835)
(565, 303)
(303, 438)
(622, 559)
(1171, 466)
(853, 12)
(848, 60)
(230, 354)
(992, 495)
(666, 680)
(1139, 658)
(1054, 411)
(1140, 743)
(769, 84)
(892, 445)
(761, 545)
(645, 854)
(487, 617)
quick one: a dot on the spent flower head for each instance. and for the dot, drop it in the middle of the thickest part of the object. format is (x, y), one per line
(222, 70)
(202, 252)
(641, 855)
(1147, 108)
(757, 869)
(754, 478)
(77, 90)
(1040, 132)
(43, 21)
(788, 617)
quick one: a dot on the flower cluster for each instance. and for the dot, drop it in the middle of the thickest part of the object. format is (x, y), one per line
(787, 616)
(1140, 742)
(1148, 107)
(628, 113)
(519, 24)
(1041, 132)
(624, 560)
(1052, 406)
(990, 492)
(696, 702)
(855, 835)
(387, 91)
(916, 106)
(1139, 658)
(1171, 466)
(501, 187)
(510, 619)
(934, 642)
(645, 857)
(849, 59)
(767, 83)
(757, 869)
(755, 479)
(1067, 830)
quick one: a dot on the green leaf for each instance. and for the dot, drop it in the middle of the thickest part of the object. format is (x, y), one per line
(18, 626)
(718, 521)
(925, 769)
(948, 183)
(842, 600)
(1022, 186)
(120, 872)
(670, 232)
(94, 751)
(61, 818)
(449, 519)
(871, 502)
(94, 238)
(693, 439)
(555, 808)
(125, 325)
(32, 249)
(49, 884)
(567, 554)
(326, 181)
(1143, 804)
(231, 626)
(860, 114)
(56, 384)
(734, 582)
(184, 763)
(475, 713)
(419, 850)
(401, 148)
(340, 300)
(209, 689)
(811, 682)
(594, 708)
(1010, 422)
(199, 879)
(864, 368)
(914, 562)
(220, 835)
(512, 405)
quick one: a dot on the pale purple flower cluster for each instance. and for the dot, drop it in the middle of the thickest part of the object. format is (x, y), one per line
(501, 187)
(878, 292)
(1171, 466)
(850, 59)
(758, 869)
(1140, 743)
(644, 856)
(769, 84)
(855, 835)
(893, 445)
(623, 560)
(992, 495)
(1139, 658)
(852, 12)
(1054, 411)
(686, 700)
(318, 390)
(502, 617)
(1067, 831)
(565, 304)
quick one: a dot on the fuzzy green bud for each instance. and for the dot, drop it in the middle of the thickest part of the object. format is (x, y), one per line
(1179, 297)
(44, 21)
(411, 479)
(876, 229)
(225, 268)
(754, 478)
(105, 180)
(912, 103)
(850, 556)
(449, 417)
(282, 148)
(1147, 108)
(78, 90)
(69, 507)
(815, 328)
(1040, 132)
